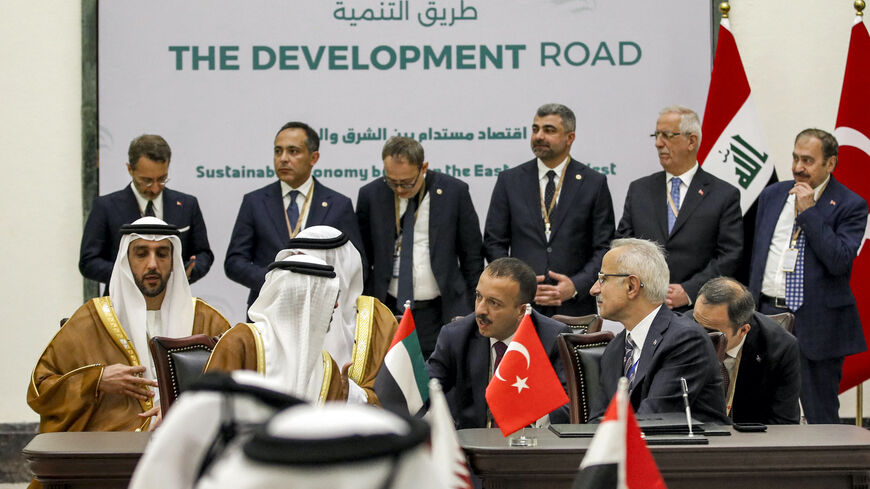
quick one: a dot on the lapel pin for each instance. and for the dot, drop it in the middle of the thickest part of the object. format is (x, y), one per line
(758, 358)
(701, 192)
(324, 204)
(178, 203)
(655, 342)
(578, 177)
(439, 191)
(833, 202)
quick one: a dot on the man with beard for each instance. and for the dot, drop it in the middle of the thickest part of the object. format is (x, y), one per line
(555, 214)
(97, 374)
(469, 350)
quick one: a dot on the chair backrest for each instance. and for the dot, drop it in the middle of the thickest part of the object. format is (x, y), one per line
(590, 323)
(720, 344)
(784, 319)
(581, 360)
(179, 362)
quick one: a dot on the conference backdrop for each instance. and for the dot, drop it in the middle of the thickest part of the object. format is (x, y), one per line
(217, 79)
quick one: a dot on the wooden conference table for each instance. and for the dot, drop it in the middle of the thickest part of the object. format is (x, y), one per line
(808, 456)
(814, 456)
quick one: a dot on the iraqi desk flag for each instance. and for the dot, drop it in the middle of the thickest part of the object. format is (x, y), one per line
(853, 133)
(618, 458)
(447, 455)
(403, 382)
(733, 147)
(524, 387)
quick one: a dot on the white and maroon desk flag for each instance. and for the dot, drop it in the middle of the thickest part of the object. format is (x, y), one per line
(732, 144)
(446, 453)
(524, 387)
(618, 458)
(853, 134)
(403, 381)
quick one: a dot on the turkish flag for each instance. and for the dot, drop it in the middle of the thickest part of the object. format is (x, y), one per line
(524, 387)
(853, 134)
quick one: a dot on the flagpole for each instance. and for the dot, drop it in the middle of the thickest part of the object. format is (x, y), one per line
(859, 391)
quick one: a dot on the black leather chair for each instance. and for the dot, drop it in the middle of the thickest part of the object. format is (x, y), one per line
(590, 323)
(581, 359)
(179, 362)
(784, 319)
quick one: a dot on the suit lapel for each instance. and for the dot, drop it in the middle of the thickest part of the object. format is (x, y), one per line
(694, 196)
(531, 187)
(768, 220)
(830, 198)
(319, 207)
(570, 189)
(130, 206)
(171, 207)
(659, 325)
(478, 359)
(274, 203)
(660, 206)
(435, 218)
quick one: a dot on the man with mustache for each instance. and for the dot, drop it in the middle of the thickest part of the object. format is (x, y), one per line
(270, 216)
(97, 374)
(468, 350)
(693, 214)
(807, 234)
(555, 214)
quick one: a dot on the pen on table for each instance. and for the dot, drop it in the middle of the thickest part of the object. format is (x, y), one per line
(686, 402)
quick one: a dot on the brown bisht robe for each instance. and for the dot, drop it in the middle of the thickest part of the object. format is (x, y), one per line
(63, 386)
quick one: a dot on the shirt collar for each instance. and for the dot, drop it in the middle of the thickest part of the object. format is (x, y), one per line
(143, 202)
(303, 189)
(506, 341)
(686, 177)
(639, 332)
(817, 191)
(734, 351)
(543, 169)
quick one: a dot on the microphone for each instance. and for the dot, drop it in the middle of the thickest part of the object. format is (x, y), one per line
(686, 402)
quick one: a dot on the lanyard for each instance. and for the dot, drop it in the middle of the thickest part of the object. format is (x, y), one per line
(544, 210)
(733, 383)
(293, 232)
(672, 203)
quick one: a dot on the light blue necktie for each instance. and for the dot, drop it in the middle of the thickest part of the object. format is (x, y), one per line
(794, 281)
(675, 195)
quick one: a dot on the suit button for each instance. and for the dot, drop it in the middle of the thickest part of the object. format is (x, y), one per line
(549, 249)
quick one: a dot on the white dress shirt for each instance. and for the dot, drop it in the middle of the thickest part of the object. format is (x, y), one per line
(300, 198)
(639, 332)
(425, 285)
(685, 182)
(157, 203)
(542, 176)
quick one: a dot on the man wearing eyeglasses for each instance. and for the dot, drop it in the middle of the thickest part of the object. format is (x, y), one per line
(422, 238)
(270, 216)
(555, 214)
(693, 214)
(147, 195)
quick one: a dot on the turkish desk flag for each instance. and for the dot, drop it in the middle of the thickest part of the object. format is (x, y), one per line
(618, 458)
(853, 134)
(524, 387)
(733, 148)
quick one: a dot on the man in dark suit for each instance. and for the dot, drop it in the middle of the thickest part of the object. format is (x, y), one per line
(763, 359)
(469, 350)
(270, 216)
(555, 214)
(658, 347)
(147, 195)
(694, 215)
(808, 232)
(438, 268)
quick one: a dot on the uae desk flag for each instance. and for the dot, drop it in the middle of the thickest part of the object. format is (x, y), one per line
(733, 147)
(403, 382)
(447, 454)
(853, 133)
(618, 458)
(524, 387)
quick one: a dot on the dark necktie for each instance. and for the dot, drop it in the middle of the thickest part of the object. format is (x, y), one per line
(794, 281)
(149, 208)
(675, 196)
(406, 259)
(550, 189)
(629, 366)
(500, 348)
(293, 210)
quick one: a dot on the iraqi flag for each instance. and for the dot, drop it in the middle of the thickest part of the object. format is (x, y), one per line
(853, 134)
(733, 146)
(403, 382)
(618, 458)
(447, 454)
(524, 387)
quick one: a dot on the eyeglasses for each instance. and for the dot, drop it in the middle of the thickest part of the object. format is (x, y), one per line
(147, 182)
(402, 185)
(665, 134)
(602, 276)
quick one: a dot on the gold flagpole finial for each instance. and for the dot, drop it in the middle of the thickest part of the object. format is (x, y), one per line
(859, 7)
(725, 7)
